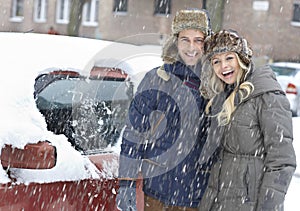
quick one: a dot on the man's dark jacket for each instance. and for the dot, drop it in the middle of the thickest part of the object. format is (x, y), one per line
(164, 135)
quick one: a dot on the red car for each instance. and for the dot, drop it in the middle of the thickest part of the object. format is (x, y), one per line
(99, 113)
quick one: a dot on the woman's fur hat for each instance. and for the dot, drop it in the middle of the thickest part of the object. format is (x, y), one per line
(185, 19)
(228, 41)
(221, 42)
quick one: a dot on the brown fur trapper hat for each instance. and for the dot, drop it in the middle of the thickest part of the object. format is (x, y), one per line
(221, 42)
(185, 19)
(226, 41)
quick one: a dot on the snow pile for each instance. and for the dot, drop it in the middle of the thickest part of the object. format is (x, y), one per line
(23, 56)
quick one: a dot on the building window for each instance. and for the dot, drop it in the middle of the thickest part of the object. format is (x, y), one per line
(63, 11)
(90, 13)
(162, 7)
(17, 13)
(40, 10)
(296, 14)
(120, 6)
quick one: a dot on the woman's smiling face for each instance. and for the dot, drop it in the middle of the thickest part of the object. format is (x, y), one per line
(226, 66)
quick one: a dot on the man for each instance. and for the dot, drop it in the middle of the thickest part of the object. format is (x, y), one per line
(166, 128)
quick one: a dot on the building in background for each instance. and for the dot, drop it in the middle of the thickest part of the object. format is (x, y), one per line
(272, 27)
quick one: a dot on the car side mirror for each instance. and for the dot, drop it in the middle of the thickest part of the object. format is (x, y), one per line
(41, 155)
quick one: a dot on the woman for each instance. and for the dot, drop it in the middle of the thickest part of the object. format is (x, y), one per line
(251, 127)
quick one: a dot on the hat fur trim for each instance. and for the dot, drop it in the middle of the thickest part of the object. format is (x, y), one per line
(170, 50)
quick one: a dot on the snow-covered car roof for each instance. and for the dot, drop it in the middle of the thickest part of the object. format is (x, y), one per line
(23, 58)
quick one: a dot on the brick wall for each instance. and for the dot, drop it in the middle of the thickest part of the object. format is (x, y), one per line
(270, 32)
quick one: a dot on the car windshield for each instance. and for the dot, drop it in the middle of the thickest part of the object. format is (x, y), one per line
(90, 112)
(286, 71)
(63, 93)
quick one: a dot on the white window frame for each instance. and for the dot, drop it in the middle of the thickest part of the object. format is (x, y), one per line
(40, 11)
(16, 6)
(63, 7)
(90, 13)
(295, 22)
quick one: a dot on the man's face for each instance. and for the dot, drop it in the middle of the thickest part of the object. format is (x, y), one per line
(190, 46)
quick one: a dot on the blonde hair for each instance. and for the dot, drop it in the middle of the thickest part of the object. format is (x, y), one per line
(242, 88)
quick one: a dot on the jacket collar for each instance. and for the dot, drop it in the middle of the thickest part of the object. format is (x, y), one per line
(179, 69)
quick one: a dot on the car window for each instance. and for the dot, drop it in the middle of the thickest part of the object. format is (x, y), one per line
(67, 92)
(90, 112)
(286, 71)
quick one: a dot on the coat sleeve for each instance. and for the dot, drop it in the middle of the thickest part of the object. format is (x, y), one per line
(135, 133)
(280, 159)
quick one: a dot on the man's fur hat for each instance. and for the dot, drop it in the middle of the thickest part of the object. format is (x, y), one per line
(185, 19)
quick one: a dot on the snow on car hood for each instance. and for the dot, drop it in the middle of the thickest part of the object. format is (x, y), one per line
(23, 56)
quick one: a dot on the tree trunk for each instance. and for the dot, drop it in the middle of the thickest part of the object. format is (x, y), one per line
(75, 17)
(216, 10)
